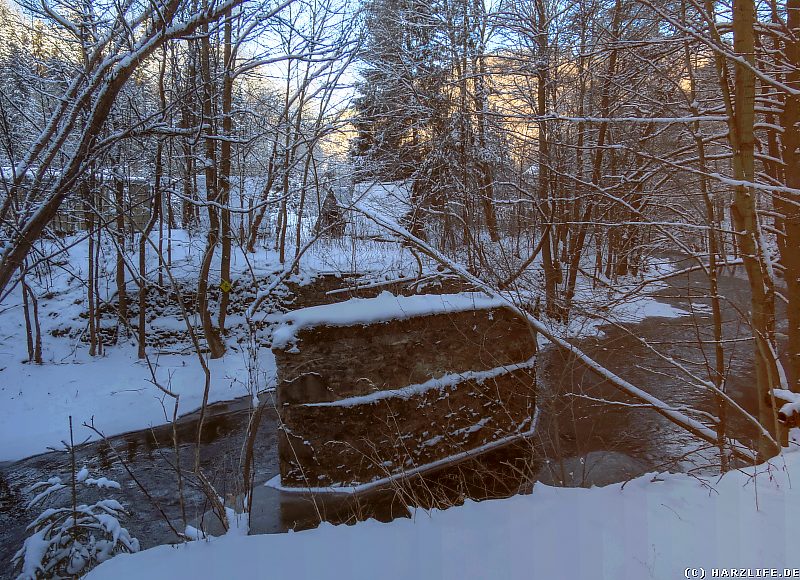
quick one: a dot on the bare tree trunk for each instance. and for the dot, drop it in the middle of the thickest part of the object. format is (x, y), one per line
(741, 115)
(59, 129)
(302, 201)
(37, 341)
(717, 374)
(122, 296)
(155, 210)
(552, 307)
(484, 168)
(225, 171)
(745, 213)
(188, 208)
(256, 223)
(98, 313)
(90, 276)
(27, 315)
(576, 249)
(787, 205)
(215, 344)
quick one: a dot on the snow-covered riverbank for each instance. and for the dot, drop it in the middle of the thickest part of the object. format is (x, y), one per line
(116, 389)
(655, 526)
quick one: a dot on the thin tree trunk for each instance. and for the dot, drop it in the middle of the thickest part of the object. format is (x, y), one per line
(255, 225)
(27, 315)
(485, 177)
(90, 276)
(718, 371)
(576, 250)
(225, 171)
(155, 210)
(215, 344)
(37, 340)
(122, 295)
(789, 208)
(552, 308)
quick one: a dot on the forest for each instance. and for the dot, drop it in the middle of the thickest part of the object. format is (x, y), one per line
(497, 288)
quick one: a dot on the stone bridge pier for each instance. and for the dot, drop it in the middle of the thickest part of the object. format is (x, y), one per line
(373, 390)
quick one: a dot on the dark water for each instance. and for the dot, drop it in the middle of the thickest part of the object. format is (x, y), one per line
(152, 459)
(152, 496)
(580, 425)
(582, 440)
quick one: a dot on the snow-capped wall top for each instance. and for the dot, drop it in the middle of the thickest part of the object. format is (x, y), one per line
(382, 308)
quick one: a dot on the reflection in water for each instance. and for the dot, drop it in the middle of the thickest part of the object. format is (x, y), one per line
(499, 473)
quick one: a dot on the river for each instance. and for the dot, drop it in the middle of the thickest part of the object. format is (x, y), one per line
(582, 439)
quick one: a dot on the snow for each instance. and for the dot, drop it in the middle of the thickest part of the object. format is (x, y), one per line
(388, 198)
(34, 548)
(693, 426)
(792, 405)
(440, 384)
(637, 310)
(650, 527)
(383, 308)
(655, 526)
(103, 482)
(113, 390)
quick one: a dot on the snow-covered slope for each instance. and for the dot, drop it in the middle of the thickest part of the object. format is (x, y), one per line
(656, 526)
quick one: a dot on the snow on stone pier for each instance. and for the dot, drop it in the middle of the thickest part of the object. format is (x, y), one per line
(383, 308)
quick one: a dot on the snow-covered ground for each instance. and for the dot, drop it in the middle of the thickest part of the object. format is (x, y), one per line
(115, 390)
(656, 526)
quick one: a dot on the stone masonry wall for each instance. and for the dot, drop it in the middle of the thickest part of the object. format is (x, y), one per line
(365, 402)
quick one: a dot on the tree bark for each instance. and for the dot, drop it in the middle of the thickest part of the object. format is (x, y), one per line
(225, 169)
(122, 296)
(215, 344)
(789, 204)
